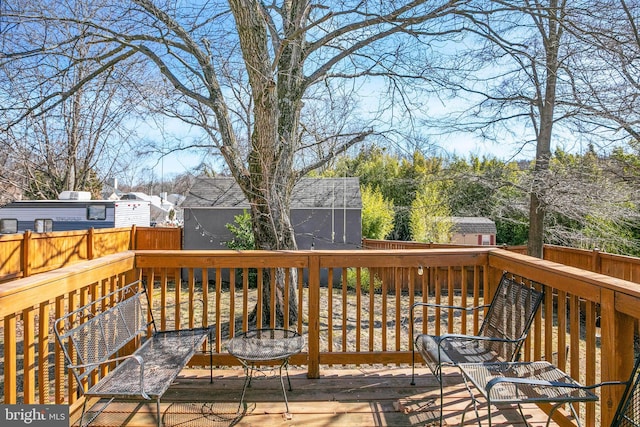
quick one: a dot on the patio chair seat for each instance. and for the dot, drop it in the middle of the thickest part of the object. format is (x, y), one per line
(442, 350)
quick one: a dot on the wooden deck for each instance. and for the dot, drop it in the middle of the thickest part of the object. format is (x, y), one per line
(341, 397)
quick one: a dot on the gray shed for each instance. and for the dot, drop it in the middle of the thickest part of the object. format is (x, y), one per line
(325, 213)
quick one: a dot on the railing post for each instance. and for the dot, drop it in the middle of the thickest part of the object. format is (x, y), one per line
(26, 254)
(132, 239)
(617, 355)
(10, 362)
(596, 264)
(313, 339)
(90, 243)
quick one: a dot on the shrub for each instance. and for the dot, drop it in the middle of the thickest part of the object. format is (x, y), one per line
(243, 240)
(365, 276)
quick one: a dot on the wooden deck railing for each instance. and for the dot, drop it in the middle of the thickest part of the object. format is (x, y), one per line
(344, 325)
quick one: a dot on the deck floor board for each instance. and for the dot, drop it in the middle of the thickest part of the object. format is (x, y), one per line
(341, 397)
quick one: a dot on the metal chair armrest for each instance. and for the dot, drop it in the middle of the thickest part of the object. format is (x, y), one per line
(446, 306)
(105, 362)
(532, 382)
(544, 383)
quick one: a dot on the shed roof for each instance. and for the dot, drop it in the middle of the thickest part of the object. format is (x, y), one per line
(224, 192)
(473, 225)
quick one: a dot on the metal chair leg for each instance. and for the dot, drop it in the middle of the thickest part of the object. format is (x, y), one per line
(84, 407)
(247, 381)
(439, 377)
(210, 360)
(286, 367)
(284, 393)
(413, 365)
(474, 402)
(158, 411)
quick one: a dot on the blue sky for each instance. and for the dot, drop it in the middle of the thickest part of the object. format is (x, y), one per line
(462, 146)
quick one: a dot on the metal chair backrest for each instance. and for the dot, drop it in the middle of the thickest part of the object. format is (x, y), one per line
(628, 413)
(509, 316)
(94, 332)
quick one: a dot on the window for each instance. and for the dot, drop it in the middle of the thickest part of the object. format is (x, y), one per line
(43, 225)
(486, 239)
(96, 212)
(8, 226)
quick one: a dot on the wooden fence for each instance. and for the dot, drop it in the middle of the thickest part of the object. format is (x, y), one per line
(23, 255)
(619, 266)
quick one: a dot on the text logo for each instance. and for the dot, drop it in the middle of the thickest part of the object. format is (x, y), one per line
(34, 415)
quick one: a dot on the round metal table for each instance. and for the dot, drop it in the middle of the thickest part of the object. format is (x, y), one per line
(258, 347)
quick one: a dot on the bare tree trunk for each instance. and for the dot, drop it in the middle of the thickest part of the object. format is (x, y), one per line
(535, 243)
(273, 141)
(273, 231)
(279, 315)
(539, 188)
(546, 105)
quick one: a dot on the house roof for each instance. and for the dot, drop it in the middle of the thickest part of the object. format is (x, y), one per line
(224, 192)
(473, 225)
(156, 201)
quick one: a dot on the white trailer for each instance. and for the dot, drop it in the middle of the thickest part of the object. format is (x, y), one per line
(65, 215)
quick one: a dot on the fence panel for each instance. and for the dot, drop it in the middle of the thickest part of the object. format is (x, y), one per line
(167, 238)
(106, 241)
(50, 251)
(11, 256)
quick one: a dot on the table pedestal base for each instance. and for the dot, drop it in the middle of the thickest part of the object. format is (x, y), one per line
(249, 368)
(266, 349)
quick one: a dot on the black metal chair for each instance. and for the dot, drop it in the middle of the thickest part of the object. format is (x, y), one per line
(500, 337)
(628, 413)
